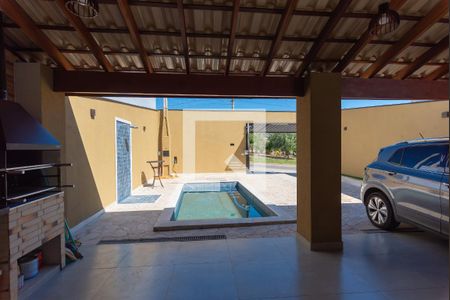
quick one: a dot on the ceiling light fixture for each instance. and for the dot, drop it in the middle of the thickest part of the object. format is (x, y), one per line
(386, 21)
(83, 8)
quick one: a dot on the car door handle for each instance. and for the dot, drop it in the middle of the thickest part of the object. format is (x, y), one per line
(392, 173)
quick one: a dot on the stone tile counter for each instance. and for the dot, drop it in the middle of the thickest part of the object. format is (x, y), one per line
(25, 228)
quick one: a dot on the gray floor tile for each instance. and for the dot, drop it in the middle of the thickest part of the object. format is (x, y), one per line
(205, 252)
(150, 254)
(373, 266)
(249, 250)
(102, 256)
(386, 279)
(136, 283)
(73, 284)
(256, 280)
(419, 294)
(351, 296)
(202, 281)
(327, 281)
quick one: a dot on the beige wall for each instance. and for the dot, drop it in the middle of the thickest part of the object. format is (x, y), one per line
(201, 139)
(90, 146)
(369, 129)
(220, 146)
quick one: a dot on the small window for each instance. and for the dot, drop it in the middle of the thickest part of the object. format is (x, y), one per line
(396, 158)
(429, 158)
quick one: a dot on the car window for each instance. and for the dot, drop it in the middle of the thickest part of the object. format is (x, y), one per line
(429, 158)
(396, 158)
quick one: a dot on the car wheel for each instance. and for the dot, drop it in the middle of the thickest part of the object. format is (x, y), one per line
(380, 212)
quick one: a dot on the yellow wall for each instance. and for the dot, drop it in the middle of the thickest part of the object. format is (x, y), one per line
(90, 146)
(196, 150)
(201, 141)
(369, 129)
(220, 146)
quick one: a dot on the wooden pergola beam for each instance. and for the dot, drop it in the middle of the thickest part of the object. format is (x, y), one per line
(438, 73)
(438, 11)
(87, 37)
(324, 34)
(423, 59)
(134, 33)
(16, 13)
(281, 29)
(184, 39)
(390, 89)
(233, 28)
(102, 83)
(365, 39)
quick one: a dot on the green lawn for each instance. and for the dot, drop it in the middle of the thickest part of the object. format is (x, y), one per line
(272, 160)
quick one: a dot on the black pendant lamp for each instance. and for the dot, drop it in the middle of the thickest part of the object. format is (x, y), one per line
(386, 21)
(83, 8)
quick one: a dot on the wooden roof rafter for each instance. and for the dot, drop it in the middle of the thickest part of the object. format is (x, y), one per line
(437, 12)
(10, 49)
(324, 34)
(307, 39)
(281, 29)
(184, 39)
(365, 39)
(233, 29)
(438, 73)
(16, 13)
(134, 33)
(259, 9)
(216, 56)
(79, 26)
(423, 59)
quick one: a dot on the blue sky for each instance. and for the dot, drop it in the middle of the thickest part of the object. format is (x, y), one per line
(285, 104)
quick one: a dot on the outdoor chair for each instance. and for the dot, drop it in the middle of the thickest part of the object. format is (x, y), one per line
(157, 167)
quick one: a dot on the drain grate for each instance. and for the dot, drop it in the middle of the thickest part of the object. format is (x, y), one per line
(167, 239)
(406, 230)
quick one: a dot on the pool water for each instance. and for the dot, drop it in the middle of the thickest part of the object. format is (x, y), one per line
(223, 200)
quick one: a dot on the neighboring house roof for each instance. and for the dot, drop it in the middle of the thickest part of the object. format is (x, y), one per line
(272, 127)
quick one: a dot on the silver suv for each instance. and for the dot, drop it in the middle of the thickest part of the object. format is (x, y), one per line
(408, 182)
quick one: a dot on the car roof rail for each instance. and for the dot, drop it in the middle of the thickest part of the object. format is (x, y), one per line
(425, 140)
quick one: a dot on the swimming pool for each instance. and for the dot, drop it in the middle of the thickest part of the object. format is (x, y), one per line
(218, 200)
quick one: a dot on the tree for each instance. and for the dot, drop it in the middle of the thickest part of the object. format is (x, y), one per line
(258, 142)
(285, 143)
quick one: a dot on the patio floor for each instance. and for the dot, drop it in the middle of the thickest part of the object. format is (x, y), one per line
(382, 266)
(135, 218)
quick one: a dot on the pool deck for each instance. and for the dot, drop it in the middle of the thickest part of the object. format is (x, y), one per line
(137, 220)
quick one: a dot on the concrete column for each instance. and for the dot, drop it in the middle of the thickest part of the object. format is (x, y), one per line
(319, 162)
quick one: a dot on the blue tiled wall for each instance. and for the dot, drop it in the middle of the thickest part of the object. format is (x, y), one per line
(123, 149)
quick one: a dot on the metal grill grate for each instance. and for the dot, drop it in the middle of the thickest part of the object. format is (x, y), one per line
(167, 239)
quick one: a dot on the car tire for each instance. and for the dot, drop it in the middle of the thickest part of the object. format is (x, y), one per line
(380, 212)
